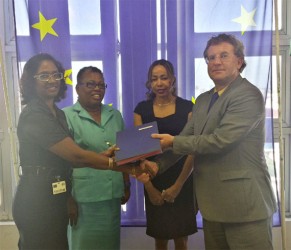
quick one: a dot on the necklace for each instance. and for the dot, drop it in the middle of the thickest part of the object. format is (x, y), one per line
(164, 104)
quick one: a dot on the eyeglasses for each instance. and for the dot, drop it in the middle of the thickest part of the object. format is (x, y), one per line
(93, 85)
(223, 57)
(47, 77)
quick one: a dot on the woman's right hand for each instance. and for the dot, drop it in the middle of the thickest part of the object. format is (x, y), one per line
(110, 152)
(154, 194)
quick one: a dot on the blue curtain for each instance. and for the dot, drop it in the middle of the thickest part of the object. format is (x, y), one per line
(134, 33)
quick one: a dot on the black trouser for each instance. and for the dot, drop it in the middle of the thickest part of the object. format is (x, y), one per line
(40, 216)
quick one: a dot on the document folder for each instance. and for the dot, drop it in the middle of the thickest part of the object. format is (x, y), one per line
(136, 143)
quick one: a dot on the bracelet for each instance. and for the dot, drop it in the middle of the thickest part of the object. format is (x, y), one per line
(110, 163)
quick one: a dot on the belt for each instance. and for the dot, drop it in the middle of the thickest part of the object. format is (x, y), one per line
(42, 171)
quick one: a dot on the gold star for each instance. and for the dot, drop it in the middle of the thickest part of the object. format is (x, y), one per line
(67, 74)
(45, 26)
(246, 19)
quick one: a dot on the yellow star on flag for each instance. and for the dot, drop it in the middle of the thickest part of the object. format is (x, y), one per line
(67, 74)
(45, 26)
(246, 19)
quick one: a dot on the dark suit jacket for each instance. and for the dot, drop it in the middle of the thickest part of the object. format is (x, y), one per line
(232, 183)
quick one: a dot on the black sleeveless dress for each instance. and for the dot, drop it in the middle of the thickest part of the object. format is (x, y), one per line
(171, 220)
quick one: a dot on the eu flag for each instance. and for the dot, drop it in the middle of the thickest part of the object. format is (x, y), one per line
(47, 31)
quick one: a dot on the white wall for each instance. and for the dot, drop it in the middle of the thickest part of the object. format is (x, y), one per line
(134, 238)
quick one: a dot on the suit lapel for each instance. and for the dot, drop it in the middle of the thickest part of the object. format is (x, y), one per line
(205, 101)
(202, 112)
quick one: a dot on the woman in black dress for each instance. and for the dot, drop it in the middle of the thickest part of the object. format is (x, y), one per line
(175, 220)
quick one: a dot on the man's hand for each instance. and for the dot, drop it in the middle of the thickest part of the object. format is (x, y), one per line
(149, 167)
(145, 171)
(166, 140)
(143, 178)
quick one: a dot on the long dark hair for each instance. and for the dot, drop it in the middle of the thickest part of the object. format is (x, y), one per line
(170, 71)
(28, 82)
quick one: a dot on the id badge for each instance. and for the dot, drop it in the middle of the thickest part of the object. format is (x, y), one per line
(59, 187)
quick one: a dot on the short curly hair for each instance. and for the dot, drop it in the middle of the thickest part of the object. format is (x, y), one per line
(170, 71)
(28, 82)
(88, 69)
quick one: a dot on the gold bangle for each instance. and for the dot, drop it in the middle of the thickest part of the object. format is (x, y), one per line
(110, 163)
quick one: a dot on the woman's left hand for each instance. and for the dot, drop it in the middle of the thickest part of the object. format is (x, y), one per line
(72, 206)
(170, 194)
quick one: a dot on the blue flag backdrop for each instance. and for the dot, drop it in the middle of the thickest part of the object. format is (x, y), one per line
(48, 32)
(124, 37)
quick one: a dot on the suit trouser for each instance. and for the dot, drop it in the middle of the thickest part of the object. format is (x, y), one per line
(247, 235)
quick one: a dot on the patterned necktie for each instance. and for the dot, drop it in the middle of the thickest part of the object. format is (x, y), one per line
(213, 99)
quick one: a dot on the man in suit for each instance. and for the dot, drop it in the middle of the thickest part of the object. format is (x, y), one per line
(232, 183)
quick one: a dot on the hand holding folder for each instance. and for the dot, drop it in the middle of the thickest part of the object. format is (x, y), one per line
(136, 143)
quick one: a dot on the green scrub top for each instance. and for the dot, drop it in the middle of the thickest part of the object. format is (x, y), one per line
(91, 185)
